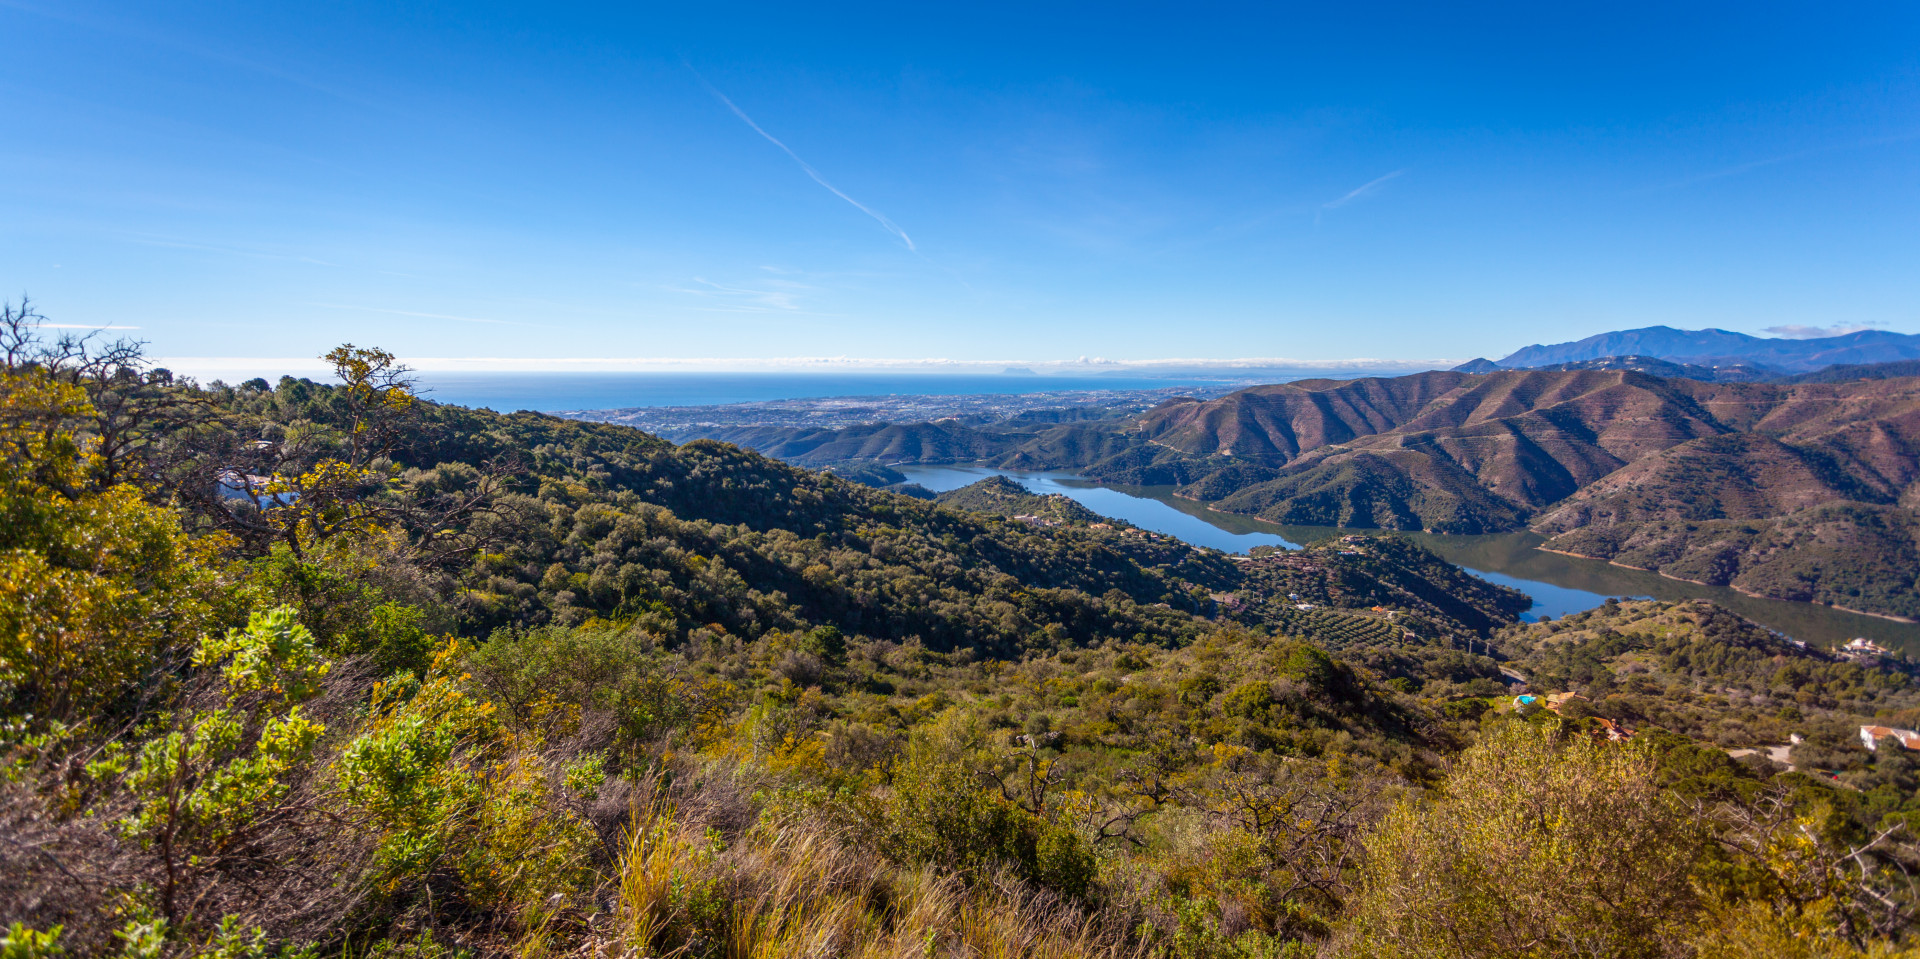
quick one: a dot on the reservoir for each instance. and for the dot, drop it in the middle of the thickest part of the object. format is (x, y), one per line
(1558, 584)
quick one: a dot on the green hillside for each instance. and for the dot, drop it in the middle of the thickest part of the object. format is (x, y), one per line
(999, 496)
(298, 670)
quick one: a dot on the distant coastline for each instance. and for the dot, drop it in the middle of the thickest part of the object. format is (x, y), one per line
(552, 392)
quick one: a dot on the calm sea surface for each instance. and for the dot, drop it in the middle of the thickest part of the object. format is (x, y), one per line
(546, 392)
(1558, 584)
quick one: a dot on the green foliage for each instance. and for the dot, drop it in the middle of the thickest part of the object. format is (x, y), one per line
(1541, 842)
(940, 814)
(827, 643)
(233, 940)
(1703, 672)
(201, 787)
(95, 583)
(423, 945)
(1249, 700)
(548, 678)
(1309, 665)
(718, 707)
(19, 942)
(999, 496)
(452, 796)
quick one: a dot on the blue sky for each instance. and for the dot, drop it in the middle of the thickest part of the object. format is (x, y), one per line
(1032, 182)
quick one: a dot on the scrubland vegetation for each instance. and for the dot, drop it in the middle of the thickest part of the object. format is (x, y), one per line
(299, 670)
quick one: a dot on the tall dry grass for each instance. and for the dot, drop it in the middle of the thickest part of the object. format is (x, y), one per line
(799, 892)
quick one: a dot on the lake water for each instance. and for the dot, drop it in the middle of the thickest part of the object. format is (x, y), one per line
(1145, 512)
(547, 392)
(1558, 584)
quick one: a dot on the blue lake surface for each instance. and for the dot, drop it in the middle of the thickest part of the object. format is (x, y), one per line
(1159, 514)
(1549, 599)
(546, 392)
(1142, 511)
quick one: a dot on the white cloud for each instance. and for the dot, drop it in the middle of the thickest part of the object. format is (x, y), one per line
(1796, 331)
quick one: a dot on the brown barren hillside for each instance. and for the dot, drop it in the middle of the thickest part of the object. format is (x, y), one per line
(1533, 439)
(1796, 491)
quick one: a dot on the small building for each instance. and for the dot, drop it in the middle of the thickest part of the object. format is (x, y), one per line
(1870, 737)
(1863, 647)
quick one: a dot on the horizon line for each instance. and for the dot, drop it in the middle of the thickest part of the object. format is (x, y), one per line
(1084, 366)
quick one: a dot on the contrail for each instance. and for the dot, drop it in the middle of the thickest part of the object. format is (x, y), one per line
(879, 217)
(1361, 190)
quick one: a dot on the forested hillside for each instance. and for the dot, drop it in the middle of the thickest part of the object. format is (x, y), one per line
(301, 670)
(999, 496)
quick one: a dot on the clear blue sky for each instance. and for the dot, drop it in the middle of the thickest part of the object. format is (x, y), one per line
(1316, 182)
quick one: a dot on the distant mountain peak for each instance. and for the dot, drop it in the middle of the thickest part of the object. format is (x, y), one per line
(1715, 347)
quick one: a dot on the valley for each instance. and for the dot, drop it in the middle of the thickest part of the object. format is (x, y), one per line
(1803, 492)
(587, 658)
(1559, 583)
(1037, 481)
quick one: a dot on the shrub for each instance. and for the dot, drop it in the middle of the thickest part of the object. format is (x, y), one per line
(1541, 842)
(203, 786)
(94, 582)
(1250, 700)
(940, 814)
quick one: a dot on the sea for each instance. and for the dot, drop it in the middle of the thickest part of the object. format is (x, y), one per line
(550, 392)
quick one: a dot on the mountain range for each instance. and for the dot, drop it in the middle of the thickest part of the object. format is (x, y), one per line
(1800, 491)
(1711, 348)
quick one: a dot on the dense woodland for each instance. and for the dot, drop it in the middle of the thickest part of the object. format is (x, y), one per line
(295, 669)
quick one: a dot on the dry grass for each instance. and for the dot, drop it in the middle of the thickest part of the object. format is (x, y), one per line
(799, 892)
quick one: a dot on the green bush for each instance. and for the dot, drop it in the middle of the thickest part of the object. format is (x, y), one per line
(1249, 700)
(939, 813)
